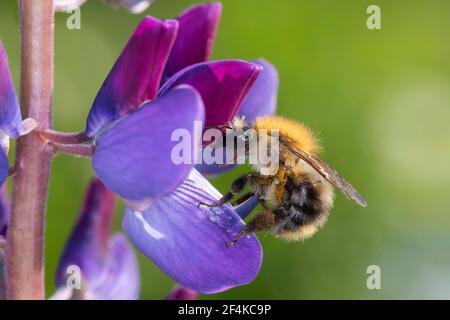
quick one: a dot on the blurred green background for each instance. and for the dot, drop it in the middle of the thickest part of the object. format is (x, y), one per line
(380, 100)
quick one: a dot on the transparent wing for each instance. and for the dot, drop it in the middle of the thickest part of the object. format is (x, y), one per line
(327, 172)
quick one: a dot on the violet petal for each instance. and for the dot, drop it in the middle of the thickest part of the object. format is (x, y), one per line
(10, 118)
(88, 244)
(212, 170)
(222, 85)
(136, 75)
(120, 278)
(134, 158)
(188, 242)
(196, 35)
(261, 100)
(108, 265)
(4, 166)
(246, 207)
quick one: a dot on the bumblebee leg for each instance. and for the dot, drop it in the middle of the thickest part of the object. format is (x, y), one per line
(237, 186)
(262, 221)
(227, 197)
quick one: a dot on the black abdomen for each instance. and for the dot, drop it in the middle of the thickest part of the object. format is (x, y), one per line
(303, 205)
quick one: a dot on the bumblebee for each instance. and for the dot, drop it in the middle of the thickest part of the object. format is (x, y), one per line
(296, 192)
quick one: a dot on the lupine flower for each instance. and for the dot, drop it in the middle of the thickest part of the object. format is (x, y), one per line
(131, 122)
(11, 124)
(107, 264)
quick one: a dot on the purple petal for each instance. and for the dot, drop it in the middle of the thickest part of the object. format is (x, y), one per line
(262, 97)
(4, 166)
(88, 244)
(222, 85)
(212, 170)
(198, 27)
(187, 242)
(108, 265)
(120, 278)
(10, 118)
(181, 293)
(5, 210)
(136, 75)
(134, 158)
(246, 207)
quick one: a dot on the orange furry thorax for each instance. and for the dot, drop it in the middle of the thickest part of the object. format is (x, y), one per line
(297, 134)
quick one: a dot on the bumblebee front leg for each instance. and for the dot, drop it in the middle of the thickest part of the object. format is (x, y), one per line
(236, 187)
(264, 220)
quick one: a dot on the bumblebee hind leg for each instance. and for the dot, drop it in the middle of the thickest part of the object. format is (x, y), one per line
(264, 220)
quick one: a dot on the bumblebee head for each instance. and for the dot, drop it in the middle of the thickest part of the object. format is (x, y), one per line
(241, 130)
(235, 137)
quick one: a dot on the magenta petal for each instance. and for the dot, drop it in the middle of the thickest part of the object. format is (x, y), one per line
(182, 293)
(196, 35)
(10, 118)
(187, 242)
(262, 97)
(134, 158)
(222, 85)
(260, 101)
(136, 75)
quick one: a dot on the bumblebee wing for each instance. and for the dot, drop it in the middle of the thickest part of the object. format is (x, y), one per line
(327, 172)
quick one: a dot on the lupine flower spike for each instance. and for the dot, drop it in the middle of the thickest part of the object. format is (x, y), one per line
(131, 123)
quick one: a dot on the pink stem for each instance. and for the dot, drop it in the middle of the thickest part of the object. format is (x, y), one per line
(84, 150)
(65, 138)
(25, 243)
